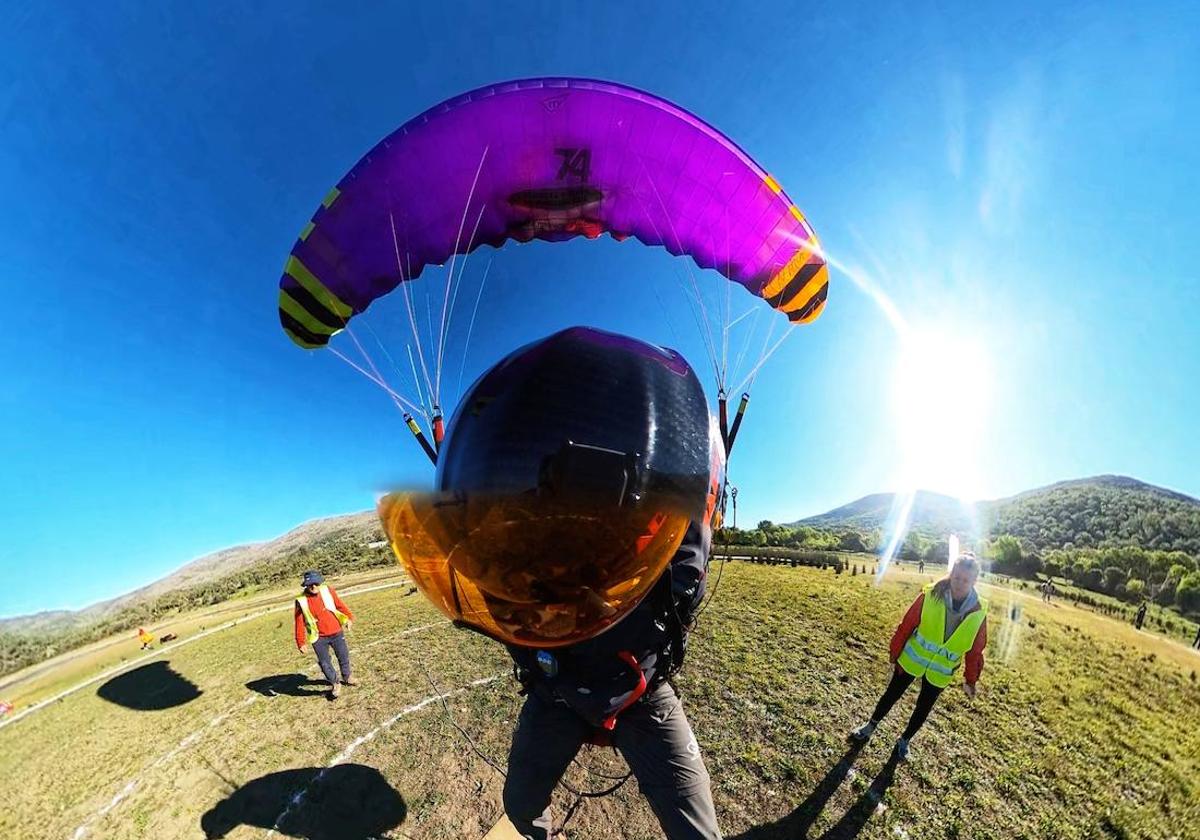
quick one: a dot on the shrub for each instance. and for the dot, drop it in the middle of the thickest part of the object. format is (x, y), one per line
(1187, 594)
(1113, 576)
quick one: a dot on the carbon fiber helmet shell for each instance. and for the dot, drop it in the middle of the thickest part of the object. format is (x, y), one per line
(554, 411)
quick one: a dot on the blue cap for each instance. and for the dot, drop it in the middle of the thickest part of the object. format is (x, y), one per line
(312, 579)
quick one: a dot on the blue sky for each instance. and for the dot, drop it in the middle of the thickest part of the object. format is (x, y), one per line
(1020, 185)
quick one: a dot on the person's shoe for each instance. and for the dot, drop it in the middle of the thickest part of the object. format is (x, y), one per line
(902, 749)
(864, 732)
(351, 683)
(335, 691)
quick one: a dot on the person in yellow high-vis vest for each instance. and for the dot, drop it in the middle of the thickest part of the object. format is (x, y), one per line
(321, 620)
(944, 630)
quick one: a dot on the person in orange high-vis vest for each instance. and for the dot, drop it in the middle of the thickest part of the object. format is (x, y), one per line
(944, 630)
(322, 619)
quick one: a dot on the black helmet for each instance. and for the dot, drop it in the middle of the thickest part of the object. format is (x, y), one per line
(568, 475)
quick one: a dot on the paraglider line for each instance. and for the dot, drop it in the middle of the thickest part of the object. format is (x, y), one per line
(667, 316)
(706, 333)
(471, 327)
(450, 278)
(384, 350)
(750, 333)
(367, 357)
(420, 395)
(748, 382)
(399, 400)
(408, 302)
(454, 300)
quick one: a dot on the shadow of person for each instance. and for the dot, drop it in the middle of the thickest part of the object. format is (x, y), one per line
(343, 802)
(854, 820)
(798, 822)
(293, 685)
(149, 688)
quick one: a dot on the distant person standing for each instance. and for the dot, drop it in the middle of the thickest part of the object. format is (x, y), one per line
(945, 627)
(322, 619)
(145, 638)
(920, 567)
(1140, 618)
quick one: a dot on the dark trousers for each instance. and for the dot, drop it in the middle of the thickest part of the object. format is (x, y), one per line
(901, 680)
(321, 648)
(657, 742)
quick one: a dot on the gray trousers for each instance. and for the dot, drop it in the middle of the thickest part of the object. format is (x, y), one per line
(321, 648)
(657, 742)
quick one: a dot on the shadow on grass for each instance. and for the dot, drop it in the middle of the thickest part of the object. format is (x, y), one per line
(149, 688)
(854, 820)
(293, 685)
(343, 802)
(797, 824)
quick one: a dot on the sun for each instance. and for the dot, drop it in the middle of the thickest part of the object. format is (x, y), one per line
(941, 389)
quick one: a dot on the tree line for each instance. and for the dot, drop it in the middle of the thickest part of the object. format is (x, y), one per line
(1129, 573)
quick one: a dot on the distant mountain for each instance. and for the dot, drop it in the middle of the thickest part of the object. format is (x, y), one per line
(357, 527)
(931, 512)
(1105, 510)
(335, 544)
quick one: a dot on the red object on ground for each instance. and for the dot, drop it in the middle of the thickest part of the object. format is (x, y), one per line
(5, 708)
(327, 623)
(912, 620)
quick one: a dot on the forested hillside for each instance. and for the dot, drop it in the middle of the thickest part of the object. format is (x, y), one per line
(1107, 511)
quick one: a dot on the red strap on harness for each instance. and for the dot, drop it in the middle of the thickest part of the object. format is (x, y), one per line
(630, 660)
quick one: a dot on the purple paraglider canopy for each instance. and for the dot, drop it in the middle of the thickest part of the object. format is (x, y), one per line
(549, 159)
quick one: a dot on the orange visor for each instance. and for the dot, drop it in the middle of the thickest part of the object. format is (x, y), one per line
(528, 570)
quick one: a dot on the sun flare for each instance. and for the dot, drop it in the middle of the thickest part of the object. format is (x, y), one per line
(941, 402)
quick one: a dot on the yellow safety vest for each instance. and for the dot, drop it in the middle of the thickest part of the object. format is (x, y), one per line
(310, 621)
(926, 654)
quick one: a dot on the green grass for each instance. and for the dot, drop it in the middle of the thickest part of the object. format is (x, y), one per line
(1084, 728)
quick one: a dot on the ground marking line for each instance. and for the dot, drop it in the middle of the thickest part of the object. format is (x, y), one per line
(165, 757)
(408, 632)
(141, 659)
(358, 742)
(195, 736)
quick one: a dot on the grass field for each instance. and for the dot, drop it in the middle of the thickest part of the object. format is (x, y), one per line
(46, 679)
(1083, 728)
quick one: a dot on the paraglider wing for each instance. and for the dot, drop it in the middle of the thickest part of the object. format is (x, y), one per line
(549, 159)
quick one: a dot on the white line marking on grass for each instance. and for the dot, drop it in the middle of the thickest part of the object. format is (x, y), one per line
(162, 759)
(408, 632)
(358, 742)
(141, 659)
(191, 739)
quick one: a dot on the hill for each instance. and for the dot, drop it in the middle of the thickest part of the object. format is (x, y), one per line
(1101, 511)
(335, 544)
(1106, 511)
(931, 512)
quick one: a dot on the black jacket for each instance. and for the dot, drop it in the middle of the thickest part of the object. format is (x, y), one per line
(590, 676)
